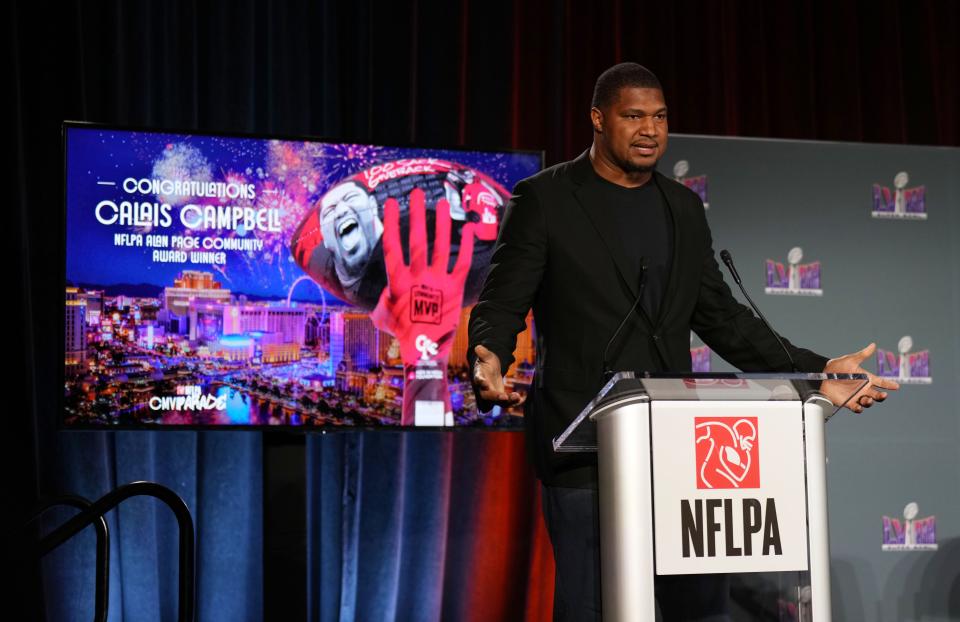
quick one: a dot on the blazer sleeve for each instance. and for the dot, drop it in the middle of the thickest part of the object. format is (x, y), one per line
(733, 331)
(516, 269)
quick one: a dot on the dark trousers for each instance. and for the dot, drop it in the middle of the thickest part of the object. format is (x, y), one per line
(573, 521)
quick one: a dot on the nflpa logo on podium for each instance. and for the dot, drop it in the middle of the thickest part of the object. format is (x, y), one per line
(728, 454)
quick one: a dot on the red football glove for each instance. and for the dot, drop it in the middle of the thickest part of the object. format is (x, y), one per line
(422, 302)
(421, 306)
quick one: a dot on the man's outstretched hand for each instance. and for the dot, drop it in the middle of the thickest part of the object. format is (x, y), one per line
(488, 382)
(875, 390)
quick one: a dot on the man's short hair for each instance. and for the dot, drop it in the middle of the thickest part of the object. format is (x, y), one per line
(621, 76)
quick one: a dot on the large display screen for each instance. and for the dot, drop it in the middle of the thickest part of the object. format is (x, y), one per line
(236, 281)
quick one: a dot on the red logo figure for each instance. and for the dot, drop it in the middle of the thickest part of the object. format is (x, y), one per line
(728, 452)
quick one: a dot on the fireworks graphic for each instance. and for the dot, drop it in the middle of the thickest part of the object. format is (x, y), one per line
(180, 162)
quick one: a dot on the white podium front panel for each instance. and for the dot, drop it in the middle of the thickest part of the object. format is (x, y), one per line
(728, 482)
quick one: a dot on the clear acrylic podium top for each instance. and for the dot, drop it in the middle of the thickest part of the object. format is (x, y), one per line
(581, 434)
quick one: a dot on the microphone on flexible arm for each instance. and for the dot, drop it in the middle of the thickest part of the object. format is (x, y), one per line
(607, 372)
(728, 262)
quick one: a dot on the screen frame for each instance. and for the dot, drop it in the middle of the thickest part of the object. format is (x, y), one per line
(61, 425)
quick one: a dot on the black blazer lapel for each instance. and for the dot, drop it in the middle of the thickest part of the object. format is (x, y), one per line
(590, 199)
(671, 292)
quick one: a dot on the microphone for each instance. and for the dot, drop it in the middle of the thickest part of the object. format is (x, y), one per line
(728, 262)
(607, 372)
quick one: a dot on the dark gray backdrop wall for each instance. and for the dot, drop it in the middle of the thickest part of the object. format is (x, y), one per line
(881, 279)
(462, 73)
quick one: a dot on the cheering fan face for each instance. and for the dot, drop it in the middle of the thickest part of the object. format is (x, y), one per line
(351, 227)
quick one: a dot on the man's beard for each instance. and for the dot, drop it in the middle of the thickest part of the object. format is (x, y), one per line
(629, 167)
(350, 273)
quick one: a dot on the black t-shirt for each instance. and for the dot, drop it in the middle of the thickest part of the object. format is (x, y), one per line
(646, 231)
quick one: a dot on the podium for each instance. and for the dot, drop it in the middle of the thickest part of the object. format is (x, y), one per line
(709, 473)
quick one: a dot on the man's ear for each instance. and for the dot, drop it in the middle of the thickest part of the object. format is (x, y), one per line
(596, 117)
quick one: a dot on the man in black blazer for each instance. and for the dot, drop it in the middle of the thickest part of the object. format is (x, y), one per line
(576, 242)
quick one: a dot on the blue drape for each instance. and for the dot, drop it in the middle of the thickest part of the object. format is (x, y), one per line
(376, 525)
(218, 475)
(424, 526)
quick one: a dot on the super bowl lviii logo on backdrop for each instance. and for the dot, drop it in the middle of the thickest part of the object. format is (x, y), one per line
(901, 202)
(698, 184)
(912, 534)
(794, 278)
(905, 366)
